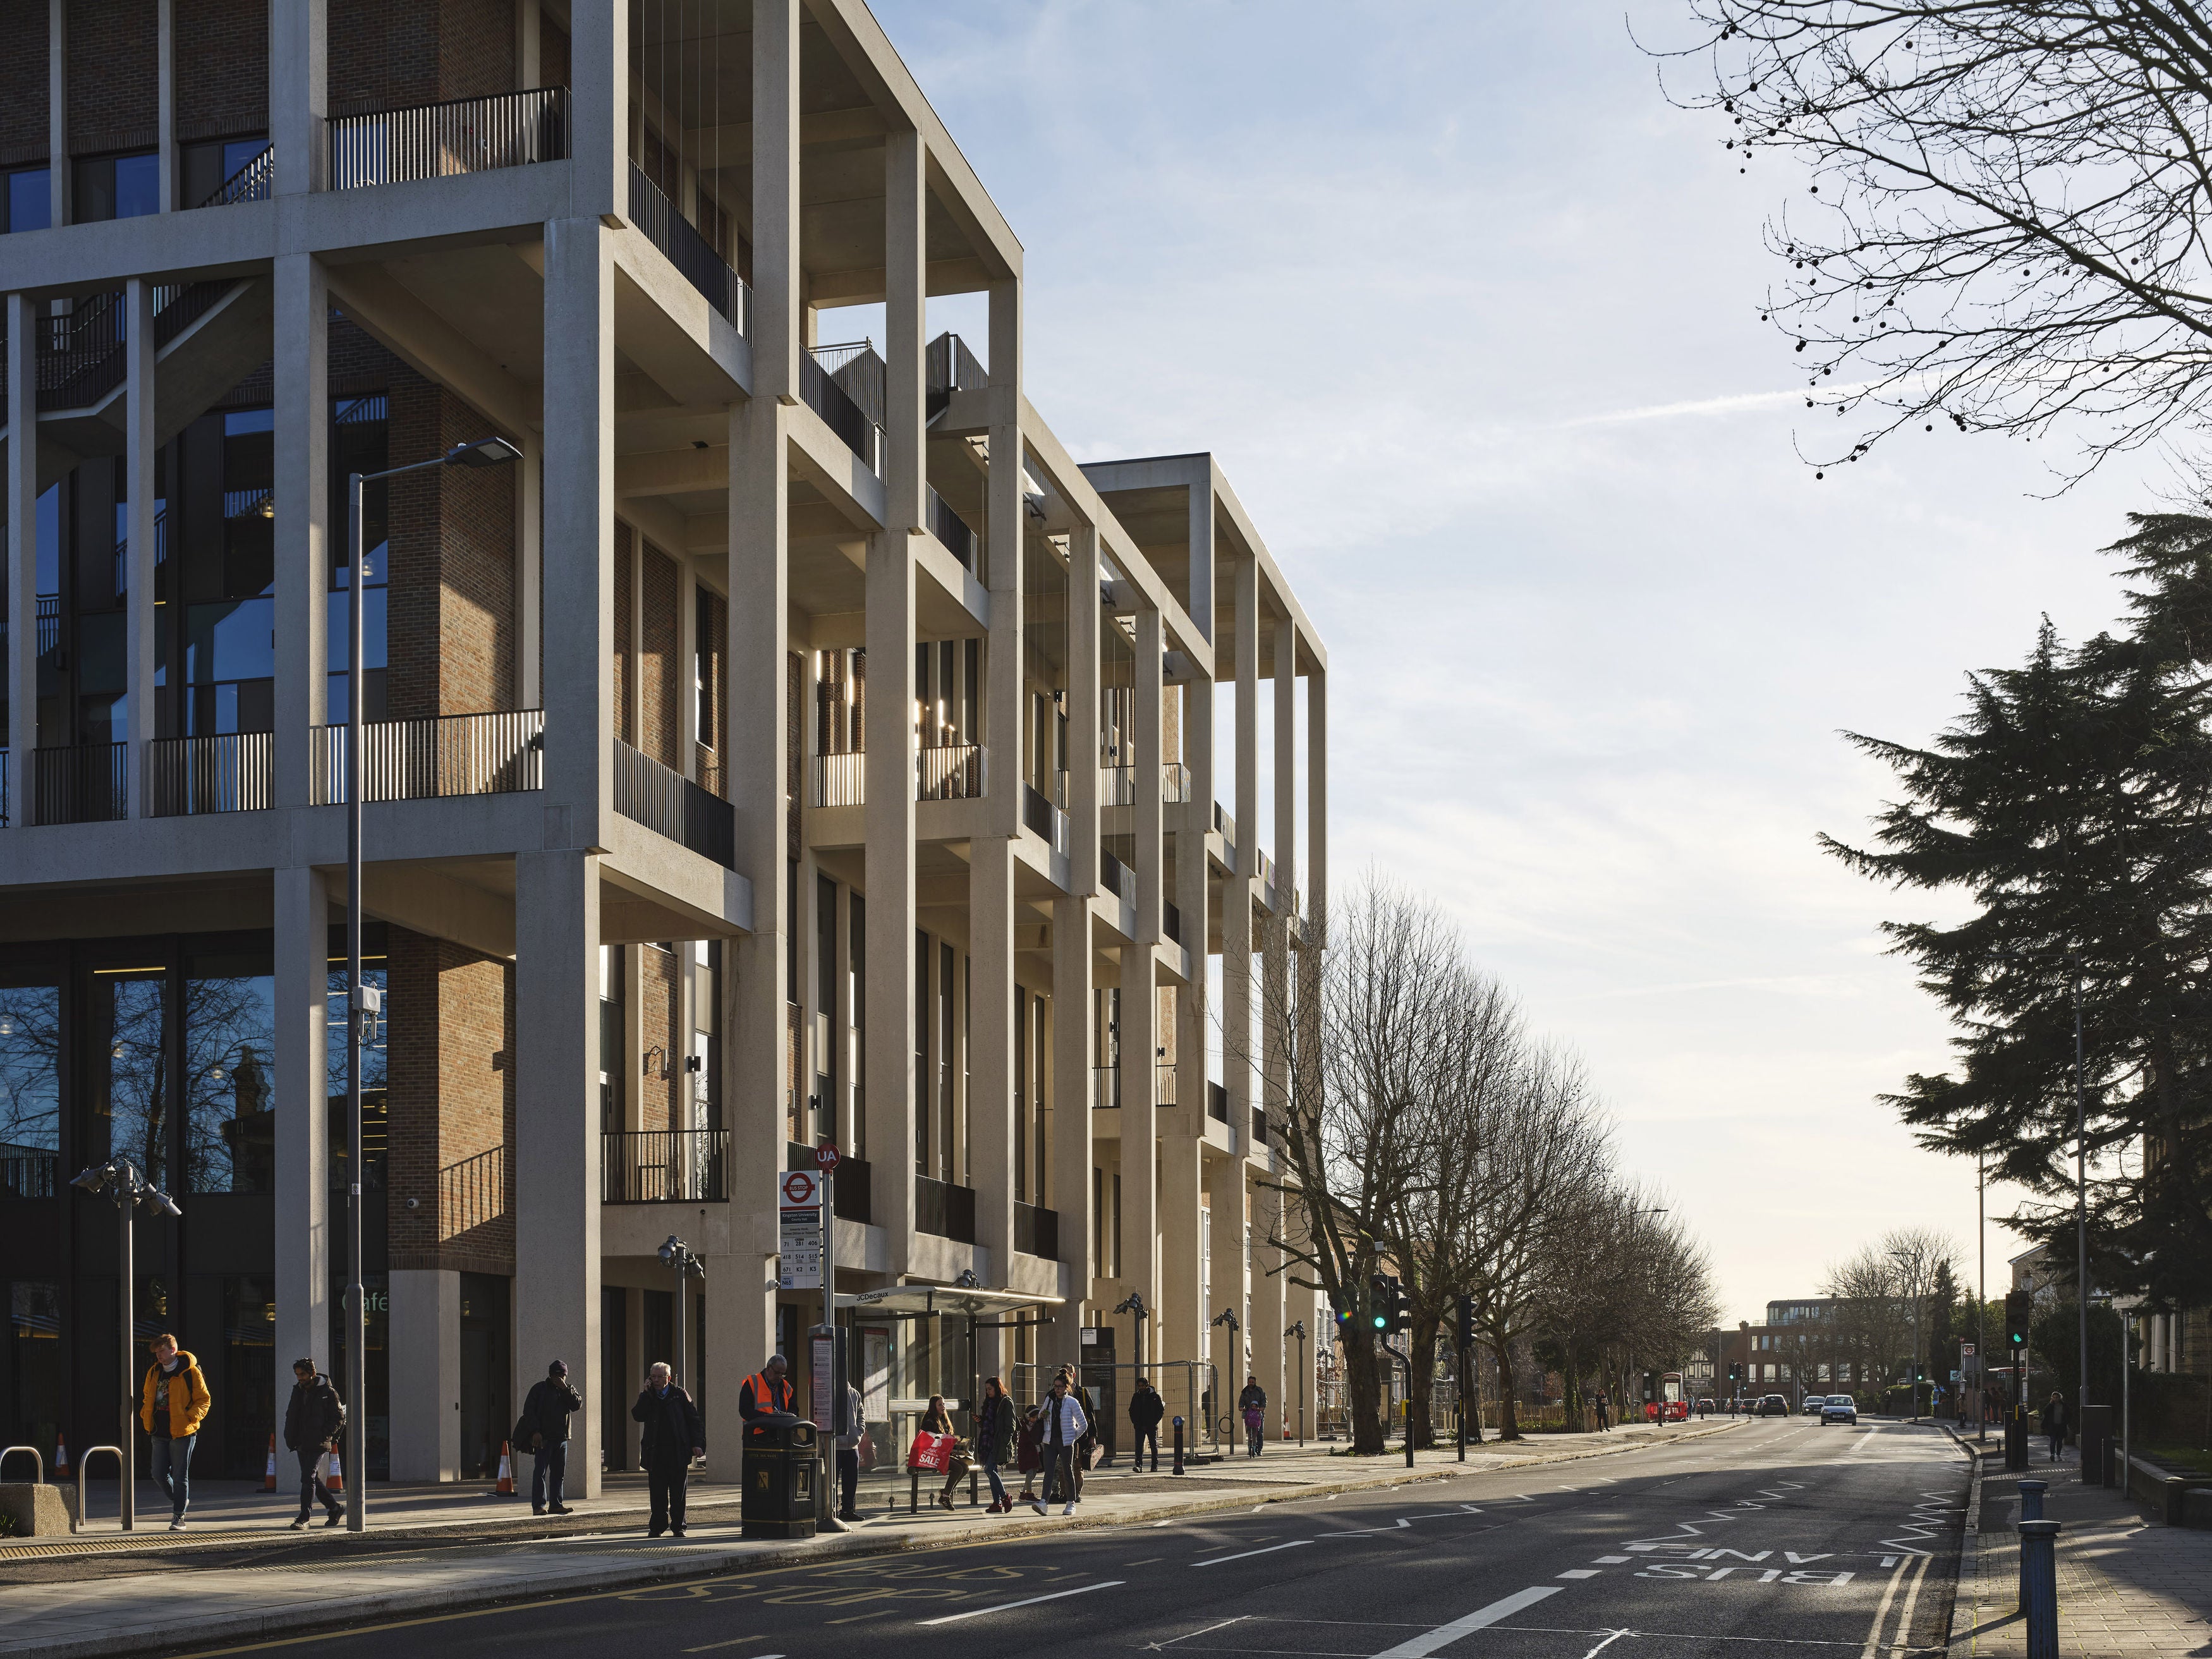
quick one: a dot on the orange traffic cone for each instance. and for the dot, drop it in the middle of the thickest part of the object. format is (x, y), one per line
(268, 1474)
(335, 1479)
(61, 1456)
(505, 1473)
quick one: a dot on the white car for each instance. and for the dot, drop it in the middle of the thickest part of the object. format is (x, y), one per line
(1839, 1408)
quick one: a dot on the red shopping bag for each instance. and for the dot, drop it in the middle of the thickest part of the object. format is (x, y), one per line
(931, 1453)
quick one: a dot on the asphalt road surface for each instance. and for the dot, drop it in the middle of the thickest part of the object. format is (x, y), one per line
(1779, 1537)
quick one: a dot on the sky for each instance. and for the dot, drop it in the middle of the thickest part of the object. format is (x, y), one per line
(1469, 314)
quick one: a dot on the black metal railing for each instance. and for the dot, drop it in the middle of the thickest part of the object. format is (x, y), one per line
(1216, 1103)
(1105, 1088)
(945, 1210)
(491, 754)
(226, 772)
(950, 771)
(1166, 1091)
(3, 789)
(80, 783)
(1116, 877)
(842, 780)
(1036, 1231)
(1224, 825)
(949, 367)
(853, 1191)
(49, 623)
(666, 801)
(474, 1191)
(81, 357)
(664, 1166)
(436, 141)
(695, 257)
(1171, 920)
(860, 371)
(1049, 823)
(950, 528)
(1259, 1126)
(828, 397)
(251, 183)
(28, 1173)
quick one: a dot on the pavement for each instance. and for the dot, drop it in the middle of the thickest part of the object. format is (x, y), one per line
(2129, 1584)
(1773, 1536)
(240, 1575)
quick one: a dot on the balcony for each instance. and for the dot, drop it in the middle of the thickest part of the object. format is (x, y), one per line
(664, 1166)
(1116, 877)
(1171, 920)
(437, 141)
(1216, 1103)
(1166, 1091)
(949, 367)
(844, 384)
(1225, 827)
(26, 1171)
(1258, 1127)
(660, 222)
(842, 780)
(474, 1191)
(853, 1191)
(666, 801)
(228, 772)
(950, 528)
(1049, 823)
(1174, 783)
(1117, 785)
(1036, 1231)
(944, 1210)
(952, 771)
(1105, 1088)
(80, 783)
(431, 759)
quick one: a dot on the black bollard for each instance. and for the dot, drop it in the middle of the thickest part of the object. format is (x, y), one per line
(2038, 1586)
(2030, 1499)
(1178, 1444)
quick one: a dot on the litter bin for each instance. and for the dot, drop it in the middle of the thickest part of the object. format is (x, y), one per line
(780, 1467)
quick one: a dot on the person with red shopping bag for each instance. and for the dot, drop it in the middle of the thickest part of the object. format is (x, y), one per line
(936, 1447)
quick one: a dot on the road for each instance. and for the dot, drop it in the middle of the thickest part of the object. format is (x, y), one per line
(1781, 1536)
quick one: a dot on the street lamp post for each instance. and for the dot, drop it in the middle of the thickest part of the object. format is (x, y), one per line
(364, 1003)
(1298, 1330)
(1133, 1306)
(2081, 1192)
(1227, 1318)
(1913, 1378)
(1981, 1300)
(127, 1189)
(675, 1256)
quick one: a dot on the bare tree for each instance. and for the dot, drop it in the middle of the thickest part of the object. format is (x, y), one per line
(2006, 228)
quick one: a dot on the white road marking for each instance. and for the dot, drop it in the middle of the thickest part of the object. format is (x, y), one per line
(1881, 1618)
(1155, 1647)
(1420, 1647)
(1579, 1573)
(1613, 1560)
(734, 1642)
(1215, 1561)
(1008, 1606)
(1607, 1642)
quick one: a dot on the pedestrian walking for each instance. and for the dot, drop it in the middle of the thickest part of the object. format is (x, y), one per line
(2055, 1423)
(768, 1389)
(938, 1420)
(1146, 1408)
(848, 1457)
(1029, 1451)
(543, 1428)
(173, 1403)
(674, 1436)
(994, 1440)
(1065, 1424)
(314, 1418)
(1604, 1412)
(1252, 1405)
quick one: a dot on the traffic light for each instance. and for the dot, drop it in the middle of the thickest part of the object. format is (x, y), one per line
(1467, 1324)
(1386, 1312)
(2019, 1305)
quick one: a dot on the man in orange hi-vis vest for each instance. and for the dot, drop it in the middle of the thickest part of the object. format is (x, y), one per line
(769, 1389)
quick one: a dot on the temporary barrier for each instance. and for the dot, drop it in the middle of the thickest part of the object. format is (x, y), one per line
(268, 1476)
(61, 1457)
(506, 1471)
(336, 1479)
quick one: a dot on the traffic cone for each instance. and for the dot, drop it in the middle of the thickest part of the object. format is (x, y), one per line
(505, 1473)
(269, 1475)
(61, 1456)
(335, 1479)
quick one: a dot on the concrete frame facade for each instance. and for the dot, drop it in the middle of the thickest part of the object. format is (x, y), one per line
(1135, 600)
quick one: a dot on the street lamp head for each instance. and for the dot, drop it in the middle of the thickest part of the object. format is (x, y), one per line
(484, 452)
(96, 1179)
(159, 1201)
(967, 1281)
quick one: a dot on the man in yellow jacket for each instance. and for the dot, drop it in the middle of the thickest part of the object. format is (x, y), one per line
(172, 1405)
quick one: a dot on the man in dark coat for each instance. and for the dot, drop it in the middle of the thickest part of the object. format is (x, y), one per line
(674, 1434)
(314, 1419)
(1145, 1410)
(543, 1428)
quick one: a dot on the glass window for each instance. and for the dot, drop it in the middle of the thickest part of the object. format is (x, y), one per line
(128, 1081)
(372, 1063)
(116, 187)
(34, 1365)
(248, 1403)
(358, 445)
(230, 1054)
(30, 1089)
(30, 199)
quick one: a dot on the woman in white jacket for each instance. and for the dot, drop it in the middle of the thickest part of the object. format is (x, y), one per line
(1063, 1424)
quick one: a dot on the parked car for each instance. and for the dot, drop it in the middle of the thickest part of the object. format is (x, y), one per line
(1706, 1405)
(1771, 1405)
(1839, 1408)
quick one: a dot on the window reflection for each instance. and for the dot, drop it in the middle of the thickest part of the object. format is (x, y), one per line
(30, 1089)
(129, 1090)
(230, 1047)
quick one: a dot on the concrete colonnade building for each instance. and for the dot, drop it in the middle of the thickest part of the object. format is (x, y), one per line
(796, 744)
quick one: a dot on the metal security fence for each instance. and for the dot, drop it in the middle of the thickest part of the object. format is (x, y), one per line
(80, 783)
(952, 771)
(664, 1166)
(435, 140)
(445, 755)
(474, 1191)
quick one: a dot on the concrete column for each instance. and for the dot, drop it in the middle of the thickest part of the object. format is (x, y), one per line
(1140, 1040)
(22, 553)
(165, 53)
(138, 452)
(299, 57)
(842, 1128)
(991, 1101)
(1146, 760)
(685, 670)
(1194, 875)
(528, 561)
(1083, 674)
(557, 1153)
(1237, 1054)
(775, 200)
(528, 43)
(1287, 761)
(58, 170)
(905, 326)
(302, 949)
(578, 517)
(301, 502)
(1004, 517)
(1176, 1333)
(887, 869)
(760, 613)
(1266, 1332)
(425, 1336)
(598, 105)
(1072, 1155)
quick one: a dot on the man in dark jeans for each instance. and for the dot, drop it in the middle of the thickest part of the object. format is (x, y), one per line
(1145, 1410)
(674, 1434)
(543, 1428)
(314, 1419)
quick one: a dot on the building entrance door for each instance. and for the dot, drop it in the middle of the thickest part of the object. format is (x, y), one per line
(487, 1367)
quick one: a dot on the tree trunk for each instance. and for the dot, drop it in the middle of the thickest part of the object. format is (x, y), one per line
(1421, 1392)
(1509, 1423)
(1363, 1373)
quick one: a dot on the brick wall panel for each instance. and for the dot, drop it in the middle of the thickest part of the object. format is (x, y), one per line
(114, 76)
(23, 83)
(661, 734)
(476, 597)
(475, 48)
(223, 67)
(552, 54)
(660, 1004)
(383, 54)
(625, 668)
